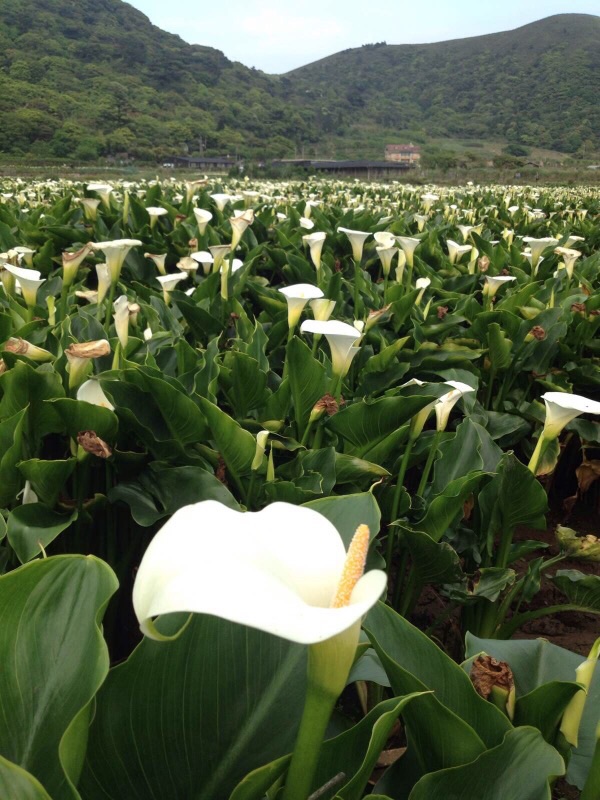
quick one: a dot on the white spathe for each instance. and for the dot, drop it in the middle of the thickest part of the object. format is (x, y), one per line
(315, 243)
(115, 253)
(297, 297)
(203, 217)
(29, 280)
(562, 407)
(91, 392)
(408, 244)
(492, 284)
(282, 572)
(341, 338)
(446, 402)
(357, 241)
(456, 251)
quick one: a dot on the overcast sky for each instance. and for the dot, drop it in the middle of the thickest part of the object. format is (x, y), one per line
(279, 36)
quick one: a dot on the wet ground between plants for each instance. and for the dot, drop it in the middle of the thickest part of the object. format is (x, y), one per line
(574, 631)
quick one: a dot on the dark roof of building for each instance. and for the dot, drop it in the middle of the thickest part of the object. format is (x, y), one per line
(403, 148)
(340, 165)
(205, 159)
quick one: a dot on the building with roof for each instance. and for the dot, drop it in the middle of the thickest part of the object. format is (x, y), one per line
(357, 168)
(403, 153)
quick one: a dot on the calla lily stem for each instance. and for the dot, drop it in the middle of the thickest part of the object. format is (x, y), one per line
(396, 502)
(537, 453)
(429, 463)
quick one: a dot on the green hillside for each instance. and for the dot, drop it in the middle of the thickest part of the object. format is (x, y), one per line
(89, 79)
(536, 85)
(95, 77)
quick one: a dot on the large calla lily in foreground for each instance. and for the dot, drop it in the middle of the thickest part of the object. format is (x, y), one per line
(287, 573)
(281, 574)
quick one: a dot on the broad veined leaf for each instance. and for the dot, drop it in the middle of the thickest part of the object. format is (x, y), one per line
(27, 387)
(307, 378)
(523, 767)
(77, 416)
(364, 424)
(161, 490)
(536, 663)
(20, 784)
(11, 449)
(471, 449)
(353, 753)
(54, 660)
(191, 717)
(236, 445)
(580, 589)
(414, 653)
(448, 504)
(33, 526)
(513, 497)
(47, 478)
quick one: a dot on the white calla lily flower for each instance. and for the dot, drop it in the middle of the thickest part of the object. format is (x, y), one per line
(408, 244)
(169, 282)
(322, 308)
(493, 283)
(562, 407)
(384, 239)
(218, 252)
(537, 247)
(29, 280)
(285, 566)
(103, 189)
(91, 392)
(446, 402)
(90, 207)
(159, 261)
(154, 212)
(203, 217)
(357, 242)
(239, 223)
(569, 257)
(421, 284)
(204, 258)
(221, 200)
(315, 243)
(297, 297)
(386, 256)
(341, 338)
(116, 252)
(104, 281)
(456, 251)
(121, 319)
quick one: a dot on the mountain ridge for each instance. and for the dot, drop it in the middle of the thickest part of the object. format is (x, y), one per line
(88, 79)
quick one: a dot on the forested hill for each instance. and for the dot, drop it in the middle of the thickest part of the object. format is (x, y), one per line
(95, 77)
(85, 79)
(536, 85)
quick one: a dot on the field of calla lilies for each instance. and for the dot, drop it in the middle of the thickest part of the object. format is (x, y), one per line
(260, 421)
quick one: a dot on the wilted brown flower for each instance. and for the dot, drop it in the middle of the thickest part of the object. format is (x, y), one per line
(95, 349)
(483, 263)
(22, 347)
(93, 444)
(538, 333)
(578, 308)
(492, 677)
(16, 345)
(442, 311)
(327, 404)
